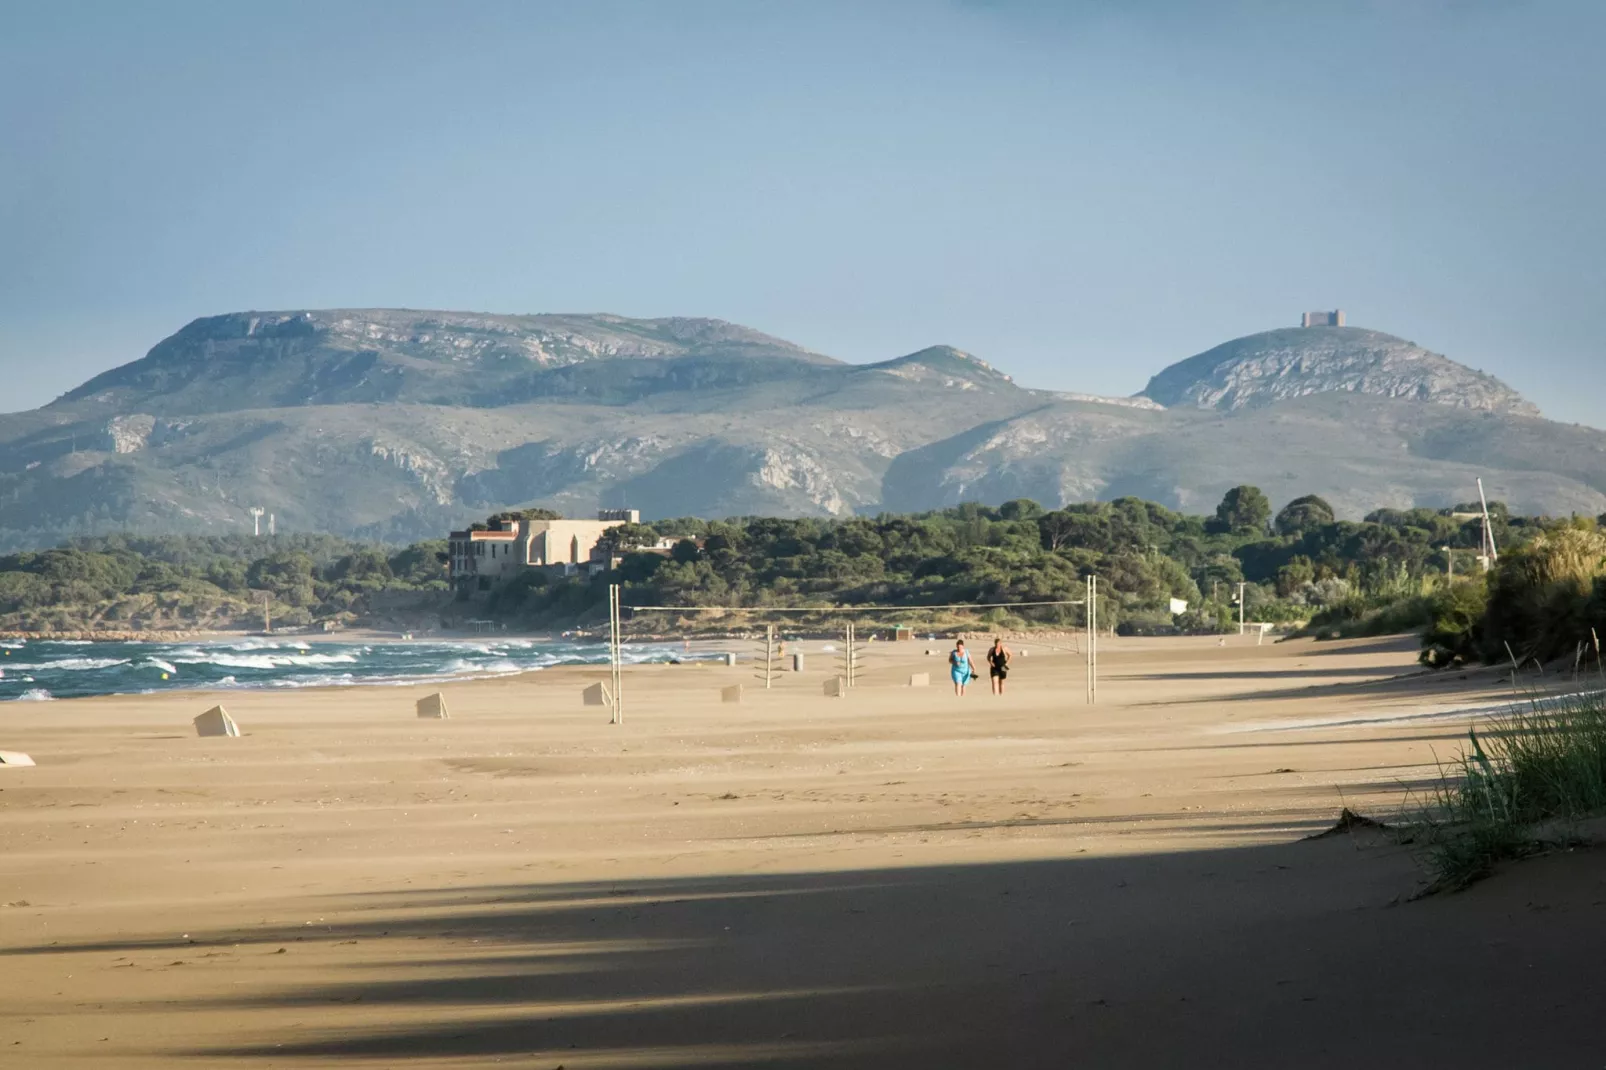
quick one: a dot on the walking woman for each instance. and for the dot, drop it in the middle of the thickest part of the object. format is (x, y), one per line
(998, 665)
(960, 667)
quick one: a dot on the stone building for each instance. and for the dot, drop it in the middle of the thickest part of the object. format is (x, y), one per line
(1334, 318)
(480, 560)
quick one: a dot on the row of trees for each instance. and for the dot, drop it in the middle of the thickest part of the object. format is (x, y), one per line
(123, 582)
(1299, 563)
(1291, 565)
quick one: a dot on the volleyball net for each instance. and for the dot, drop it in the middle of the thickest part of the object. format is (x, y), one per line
(855, 626)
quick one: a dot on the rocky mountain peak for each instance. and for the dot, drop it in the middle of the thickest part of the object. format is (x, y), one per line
(945, 365)
(334, 356)
(1298, 361)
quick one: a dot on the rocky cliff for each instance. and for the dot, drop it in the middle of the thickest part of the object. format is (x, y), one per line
(1300, 361)
(275, 359)
(399, 424)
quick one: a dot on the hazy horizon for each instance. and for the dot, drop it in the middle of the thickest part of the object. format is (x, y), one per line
(1077, 194)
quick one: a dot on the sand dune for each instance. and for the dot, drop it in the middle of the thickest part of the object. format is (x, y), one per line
(896, 879)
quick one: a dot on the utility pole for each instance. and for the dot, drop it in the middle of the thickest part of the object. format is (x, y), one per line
(1241, 608)
(267, 605)
(272, 527)
(1449, 562)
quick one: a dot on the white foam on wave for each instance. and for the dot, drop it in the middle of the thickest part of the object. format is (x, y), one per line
(266, 661)
(35, 694)
(271, 663)
(74, 664)
(493, 667)
(263, 644)
(323, 680)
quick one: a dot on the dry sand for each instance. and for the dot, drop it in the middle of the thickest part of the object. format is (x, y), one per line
(897, 879)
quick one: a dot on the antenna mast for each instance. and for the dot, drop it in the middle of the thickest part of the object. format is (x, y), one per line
(256, 512)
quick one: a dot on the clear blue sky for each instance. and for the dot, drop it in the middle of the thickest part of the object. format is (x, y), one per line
(1081, 193)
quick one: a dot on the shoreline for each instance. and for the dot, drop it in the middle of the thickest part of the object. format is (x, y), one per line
(290, 678)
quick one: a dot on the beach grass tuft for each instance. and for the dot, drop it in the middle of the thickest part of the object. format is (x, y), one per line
(1517, 779)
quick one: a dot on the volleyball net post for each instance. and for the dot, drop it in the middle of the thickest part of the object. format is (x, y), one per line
(1090, 615)
(769, 656)
(850, 654)
(616, 669)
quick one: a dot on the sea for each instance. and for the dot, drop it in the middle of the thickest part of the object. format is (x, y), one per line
(39, 670)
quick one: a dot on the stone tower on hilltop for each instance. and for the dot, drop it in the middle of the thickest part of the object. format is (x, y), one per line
(1334, 318)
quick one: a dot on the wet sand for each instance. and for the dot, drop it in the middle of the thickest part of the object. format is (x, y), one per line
(896, 879)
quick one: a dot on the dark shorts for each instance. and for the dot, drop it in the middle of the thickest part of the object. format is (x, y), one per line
(999, 671)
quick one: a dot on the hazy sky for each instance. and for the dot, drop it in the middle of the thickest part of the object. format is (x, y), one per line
(1080, 193)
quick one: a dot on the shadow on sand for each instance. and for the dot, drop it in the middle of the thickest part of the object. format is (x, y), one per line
(1294, 955)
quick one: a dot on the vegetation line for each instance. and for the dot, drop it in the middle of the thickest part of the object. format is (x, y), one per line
(1016, 566)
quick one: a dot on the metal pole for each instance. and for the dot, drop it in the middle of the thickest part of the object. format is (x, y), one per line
(1095, 638)
(1241, 608)
(847, 653)
(1088, 619)
(769, 655)
(616, 673)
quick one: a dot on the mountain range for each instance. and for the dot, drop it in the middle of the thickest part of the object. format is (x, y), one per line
(398, 424)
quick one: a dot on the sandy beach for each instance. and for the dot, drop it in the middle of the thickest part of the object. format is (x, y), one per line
(895, 879)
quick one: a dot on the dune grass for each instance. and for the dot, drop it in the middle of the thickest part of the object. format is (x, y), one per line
(1518, 780)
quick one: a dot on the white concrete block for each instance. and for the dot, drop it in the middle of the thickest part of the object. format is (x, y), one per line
(14, 758)
(433, 707)
(216, 722)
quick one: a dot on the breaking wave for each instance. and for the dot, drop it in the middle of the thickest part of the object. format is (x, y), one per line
(57, 669)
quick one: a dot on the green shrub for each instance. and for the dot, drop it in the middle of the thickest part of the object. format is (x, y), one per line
(1454, 630)
(1541, 597)
(1544, 764)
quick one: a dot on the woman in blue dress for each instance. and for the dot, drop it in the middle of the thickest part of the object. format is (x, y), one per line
(960, 667)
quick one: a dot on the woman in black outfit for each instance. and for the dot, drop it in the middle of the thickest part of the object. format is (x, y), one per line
(998, 665)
